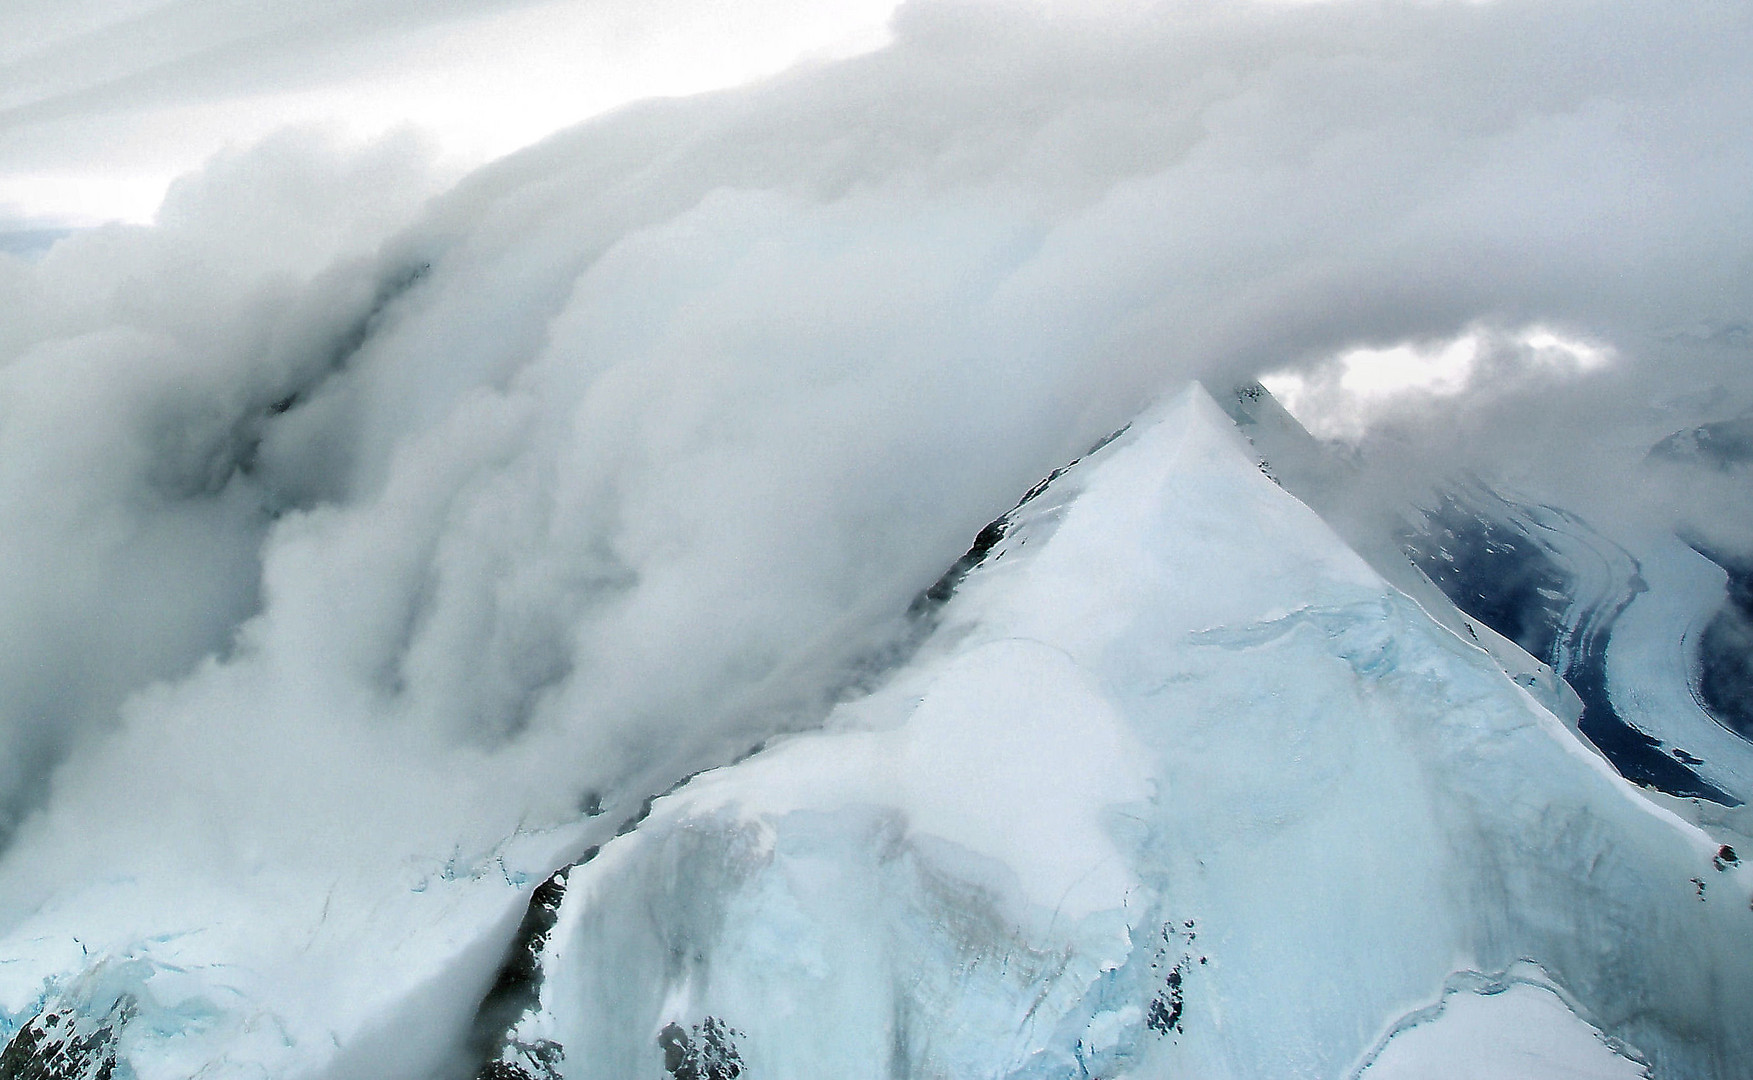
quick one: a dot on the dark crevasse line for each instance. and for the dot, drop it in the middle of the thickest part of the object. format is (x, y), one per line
(1500, 562)
(939, 592)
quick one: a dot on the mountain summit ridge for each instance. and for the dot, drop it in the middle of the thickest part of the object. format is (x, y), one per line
(1175, 784)
(1047, 862)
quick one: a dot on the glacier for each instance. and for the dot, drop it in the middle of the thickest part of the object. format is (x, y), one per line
(1623, 633)
(1616, 625)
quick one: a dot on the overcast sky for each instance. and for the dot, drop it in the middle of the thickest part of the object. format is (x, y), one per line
(103, 102)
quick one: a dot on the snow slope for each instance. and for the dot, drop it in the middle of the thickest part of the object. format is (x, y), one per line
(1320, 475)
(1173, 783)
(1178, 786)
(1509, 1027)
(1622, 618)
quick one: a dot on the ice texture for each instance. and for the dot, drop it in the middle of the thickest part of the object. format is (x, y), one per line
(1656, 665)
(1488, 1029)
(1547, 580)
(265, 975)
(1628, 623)
(1638, 622)
(1178, 786)
(1325, 476)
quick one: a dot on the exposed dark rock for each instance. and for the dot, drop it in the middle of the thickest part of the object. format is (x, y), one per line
(517, 989)
(61, 1044)
(634, 819)
(939, 592)
(539, 1060)
(1167, 1007)
(1725, 677)
(1722, 445)
(1493, 571)
(709, 1049)
(1164, 1014)
(707, 1052)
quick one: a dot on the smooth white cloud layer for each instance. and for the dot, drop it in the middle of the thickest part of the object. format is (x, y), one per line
(102, 103)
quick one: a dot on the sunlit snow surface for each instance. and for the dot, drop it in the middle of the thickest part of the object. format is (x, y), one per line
(1178, 787)
(1175, 785)
(1499, 1030)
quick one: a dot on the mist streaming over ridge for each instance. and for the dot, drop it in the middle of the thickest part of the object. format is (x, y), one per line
(344, 527)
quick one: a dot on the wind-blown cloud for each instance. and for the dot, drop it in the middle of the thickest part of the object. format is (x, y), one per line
(339, 523)
(101, 102)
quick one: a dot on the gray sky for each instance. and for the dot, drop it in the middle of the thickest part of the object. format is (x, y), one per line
(102, 102)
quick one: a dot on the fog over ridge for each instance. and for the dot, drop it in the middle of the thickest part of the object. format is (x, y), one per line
(344, 515)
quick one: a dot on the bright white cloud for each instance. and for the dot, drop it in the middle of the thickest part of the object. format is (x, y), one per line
(102, 104)
(340, 528)
(1345, 396)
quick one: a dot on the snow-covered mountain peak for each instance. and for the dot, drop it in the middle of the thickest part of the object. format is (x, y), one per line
(1181, 786)
(1175, 784)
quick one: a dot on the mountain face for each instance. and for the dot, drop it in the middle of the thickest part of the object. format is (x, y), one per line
(1179, 786)
(1168, 781)
(1640, 641)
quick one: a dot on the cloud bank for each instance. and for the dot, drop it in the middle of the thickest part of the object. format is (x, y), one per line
(351, 521)
(102, 102)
